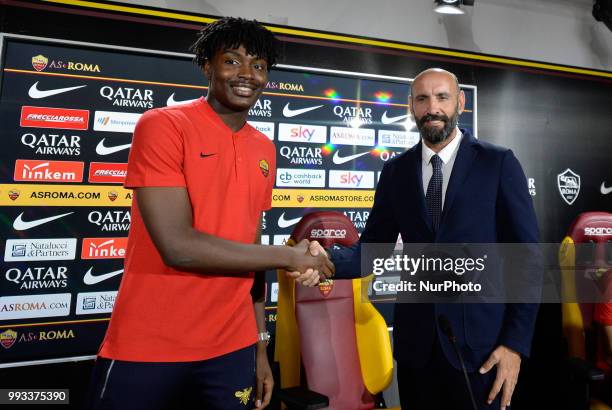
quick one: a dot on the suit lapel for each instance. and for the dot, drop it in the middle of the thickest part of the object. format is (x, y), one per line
(463, 163)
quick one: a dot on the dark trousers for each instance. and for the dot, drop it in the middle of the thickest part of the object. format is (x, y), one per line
(440, 386)
(223, 383)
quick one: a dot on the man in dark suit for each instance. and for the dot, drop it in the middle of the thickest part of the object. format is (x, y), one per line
(451, 188)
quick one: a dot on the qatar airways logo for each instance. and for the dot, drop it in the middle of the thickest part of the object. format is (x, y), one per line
(48, 171)
(111, 221)
(103, 248)
(358, 218)
(52, 144)
(261, 108)
(128, 97)
(353, 116)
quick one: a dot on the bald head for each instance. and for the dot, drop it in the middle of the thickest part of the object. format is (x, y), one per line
(436, 101)
(439, 72)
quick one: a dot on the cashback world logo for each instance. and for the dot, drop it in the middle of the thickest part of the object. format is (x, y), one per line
(288, 177)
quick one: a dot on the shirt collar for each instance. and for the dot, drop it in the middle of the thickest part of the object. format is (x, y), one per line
(445, 153)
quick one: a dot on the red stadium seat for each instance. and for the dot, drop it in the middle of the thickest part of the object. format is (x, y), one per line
(341, 341)
(588, 228)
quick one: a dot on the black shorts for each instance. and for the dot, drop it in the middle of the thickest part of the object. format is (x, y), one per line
(222, 383)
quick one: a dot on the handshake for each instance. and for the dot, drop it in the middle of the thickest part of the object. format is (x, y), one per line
(309, 263)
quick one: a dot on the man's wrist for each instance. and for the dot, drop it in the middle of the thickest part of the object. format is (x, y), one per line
(263, 338)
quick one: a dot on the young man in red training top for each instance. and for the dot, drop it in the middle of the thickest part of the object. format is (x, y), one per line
(184, 319)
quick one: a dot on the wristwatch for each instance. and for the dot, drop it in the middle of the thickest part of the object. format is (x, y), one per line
(264, 337)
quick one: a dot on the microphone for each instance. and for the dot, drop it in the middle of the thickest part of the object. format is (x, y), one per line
(447, 329)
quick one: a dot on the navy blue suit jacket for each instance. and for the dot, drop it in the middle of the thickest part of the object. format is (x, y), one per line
(487, 201)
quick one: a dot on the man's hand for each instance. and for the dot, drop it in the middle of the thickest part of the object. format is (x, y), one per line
(508, 364)
(308, 268)
(265, 382)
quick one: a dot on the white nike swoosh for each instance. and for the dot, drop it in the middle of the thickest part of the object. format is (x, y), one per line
(605, 190)
(286, 223)
(34, 92)
(391, 120)
(288, 112)
(171, 101)
(90, 279)
(341, 160)
(101, 149)
(21, 225)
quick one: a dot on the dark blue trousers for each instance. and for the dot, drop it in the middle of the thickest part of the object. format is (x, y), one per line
(440, 386)
(223, 383)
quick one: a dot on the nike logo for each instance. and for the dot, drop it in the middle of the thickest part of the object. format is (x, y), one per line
(171, 101)
(391, 120)
(288, 112)
(90, 279)
(35, 93)
(203, 155)
(341, 160)
(101, 149)
(286, 223)
(605, 190)
(21, 225)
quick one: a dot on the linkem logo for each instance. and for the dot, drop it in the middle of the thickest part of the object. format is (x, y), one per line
(48, 171)
(103, 248)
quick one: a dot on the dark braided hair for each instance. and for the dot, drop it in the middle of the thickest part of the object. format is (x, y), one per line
(232, 32)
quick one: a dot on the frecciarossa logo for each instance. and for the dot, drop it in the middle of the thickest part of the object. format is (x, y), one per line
(107, 172)
(48, 171)
(60, 118)
(103, 248)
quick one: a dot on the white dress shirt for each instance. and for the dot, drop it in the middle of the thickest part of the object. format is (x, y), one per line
(447, 155)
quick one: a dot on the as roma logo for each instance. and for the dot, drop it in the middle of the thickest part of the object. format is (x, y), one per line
(326, 287)
(39, 62)
(264, 167)
(8, 338)
(112, 195)
(13, 194)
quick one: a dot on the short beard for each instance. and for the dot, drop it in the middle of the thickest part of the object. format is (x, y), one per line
(435, 135)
